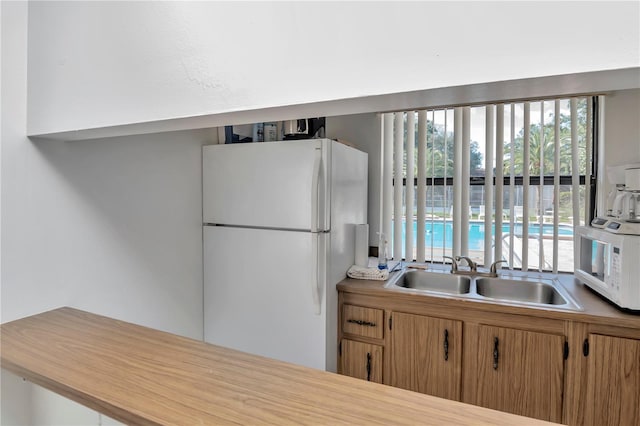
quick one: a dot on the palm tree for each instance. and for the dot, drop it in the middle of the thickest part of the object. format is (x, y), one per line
(547, 145)
(435, 153)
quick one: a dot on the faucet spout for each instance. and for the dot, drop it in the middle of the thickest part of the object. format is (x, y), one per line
(472, 265)
(493, 272)
(454, 264)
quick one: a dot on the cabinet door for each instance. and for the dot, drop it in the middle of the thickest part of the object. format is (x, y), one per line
(426, 355)
(520, 372)
(613, 396)
(361, 360)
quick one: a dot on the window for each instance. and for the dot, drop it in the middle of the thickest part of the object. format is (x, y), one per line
(506, 181)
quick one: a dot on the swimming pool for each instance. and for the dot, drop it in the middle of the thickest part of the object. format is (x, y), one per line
(440, 233)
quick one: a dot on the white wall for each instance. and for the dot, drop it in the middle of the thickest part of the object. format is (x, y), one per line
(15, 394)
(94, 64)
(621, 138)
(109, 226)
(622, 127)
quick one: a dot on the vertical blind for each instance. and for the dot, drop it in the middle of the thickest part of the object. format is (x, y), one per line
(506, 181)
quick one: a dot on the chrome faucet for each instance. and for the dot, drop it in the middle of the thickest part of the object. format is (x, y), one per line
(493, 271)
(473, 267)
(454, 264)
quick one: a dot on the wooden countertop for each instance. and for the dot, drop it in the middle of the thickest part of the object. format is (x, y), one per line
(595, 309)
(139, 375)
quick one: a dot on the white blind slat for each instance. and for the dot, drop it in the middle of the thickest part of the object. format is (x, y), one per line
(499, 202)
(387, 176)
(457, 180)
(589, 149)
(575, 173)
(512, 184)
(411, 142)
(556, 182)
(526, 157)
(464, 184)
(541, 192)
(433, 187)
(488, 182)
(422, 186)
(398, 162)
(446, 188)
(601, 182)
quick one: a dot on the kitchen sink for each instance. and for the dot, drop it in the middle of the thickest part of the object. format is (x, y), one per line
(514, 289)
(433, 281)
(519, 291)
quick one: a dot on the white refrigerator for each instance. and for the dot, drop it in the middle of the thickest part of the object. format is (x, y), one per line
(279, 234)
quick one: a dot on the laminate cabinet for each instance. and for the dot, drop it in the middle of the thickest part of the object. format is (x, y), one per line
(520, 372)
(577, 368)
(362, 321)
(613, 396)
(361, 360)
(426, 355)
(361, 354)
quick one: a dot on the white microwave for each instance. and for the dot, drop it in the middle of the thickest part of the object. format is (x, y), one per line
(609, 264)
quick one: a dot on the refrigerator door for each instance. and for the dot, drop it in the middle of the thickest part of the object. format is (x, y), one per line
(279, 185)
(259, 289)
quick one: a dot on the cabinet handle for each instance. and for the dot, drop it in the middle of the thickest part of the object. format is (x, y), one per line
(368, 366)
(496, 353)
(361, 322)
(446, 344)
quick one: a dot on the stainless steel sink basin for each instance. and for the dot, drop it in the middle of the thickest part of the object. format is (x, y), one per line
(433, 281)
(531, 291)
(520, 291)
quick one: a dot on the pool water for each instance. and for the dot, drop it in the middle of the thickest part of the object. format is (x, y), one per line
(440, 233)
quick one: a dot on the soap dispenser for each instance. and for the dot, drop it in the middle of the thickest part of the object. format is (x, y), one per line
(382, 252)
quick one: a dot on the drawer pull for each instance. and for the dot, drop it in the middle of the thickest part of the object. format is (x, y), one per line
(361, 322)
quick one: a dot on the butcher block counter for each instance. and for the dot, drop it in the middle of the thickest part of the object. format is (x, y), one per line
(138, 375)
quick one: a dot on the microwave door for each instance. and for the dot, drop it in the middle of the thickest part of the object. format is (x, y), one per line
(600, 260)
(596, 263)
(593, 261)
(593, 257)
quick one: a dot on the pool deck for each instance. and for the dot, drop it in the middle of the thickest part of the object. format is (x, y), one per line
(535, 246)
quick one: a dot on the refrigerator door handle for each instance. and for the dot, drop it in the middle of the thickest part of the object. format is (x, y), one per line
(315, 279)
(315, 181)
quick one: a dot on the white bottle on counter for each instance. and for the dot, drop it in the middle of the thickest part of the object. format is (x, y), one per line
(382, 252)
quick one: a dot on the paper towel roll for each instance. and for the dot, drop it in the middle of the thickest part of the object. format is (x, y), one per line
(632, 179)
(362, 245)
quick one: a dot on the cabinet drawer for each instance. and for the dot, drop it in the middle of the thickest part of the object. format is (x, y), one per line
(367, 322)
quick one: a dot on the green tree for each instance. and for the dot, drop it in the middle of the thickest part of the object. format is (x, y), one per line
(514, 153)
(440, 146)
(542, 140)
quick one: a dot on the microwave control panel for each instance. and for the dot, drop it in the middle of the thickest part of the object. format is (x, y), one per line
(616, 267)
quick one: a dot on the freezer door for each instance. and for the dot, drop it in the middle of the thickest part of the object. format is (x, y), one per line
(259, 293)
(271, 185)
